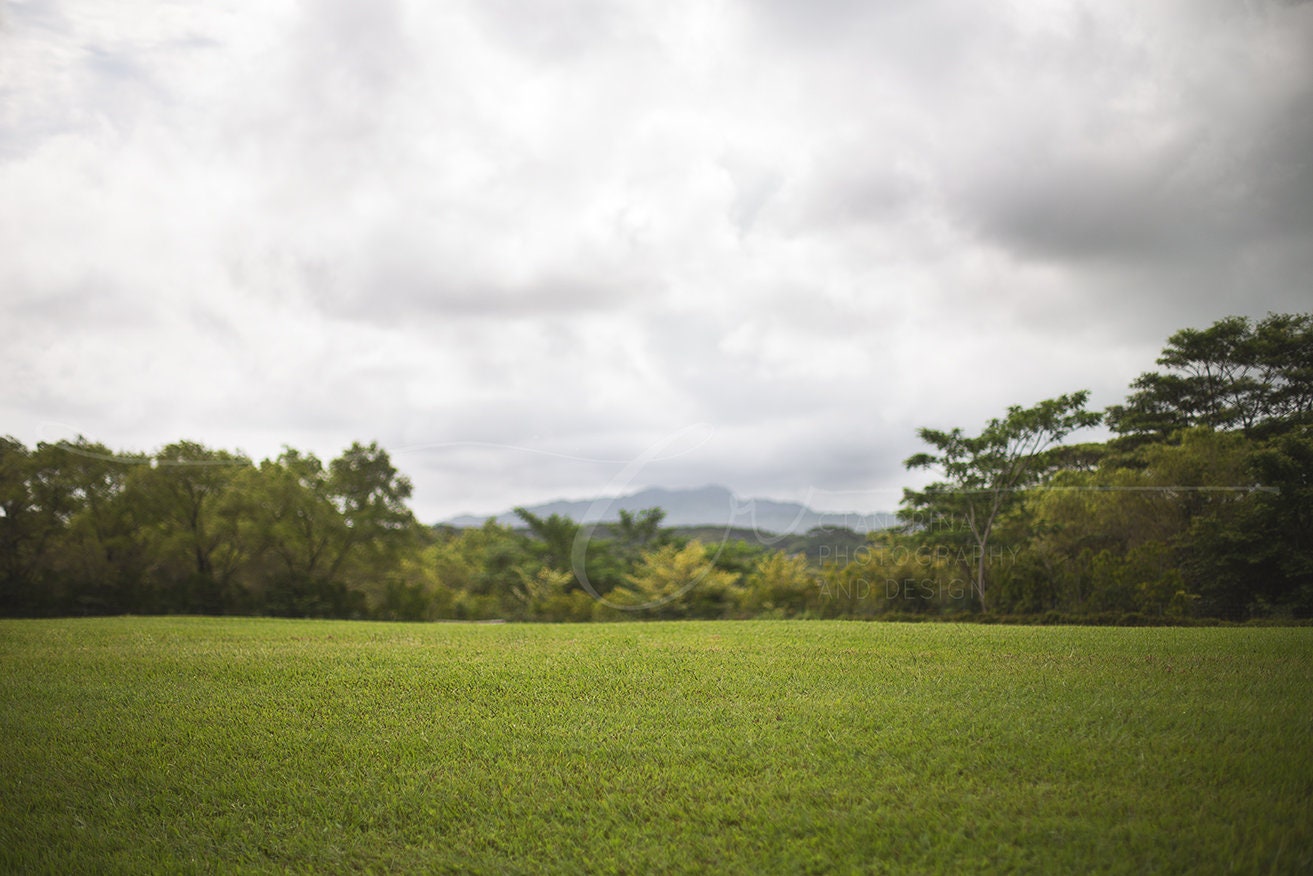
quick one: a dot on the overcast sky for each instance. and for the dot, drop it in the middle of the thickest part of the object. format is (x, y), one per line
(569, 247)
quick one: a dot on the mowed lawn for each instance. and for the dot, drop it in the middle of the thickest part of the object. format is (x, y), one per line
(230, 745)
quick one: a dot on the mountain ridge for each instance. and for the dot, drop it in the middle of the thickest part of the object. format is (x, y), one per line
(710, 505)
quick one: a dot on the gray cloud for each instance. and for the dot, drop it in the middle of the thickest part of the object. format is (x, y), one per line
(524, 246)
(1159, 144)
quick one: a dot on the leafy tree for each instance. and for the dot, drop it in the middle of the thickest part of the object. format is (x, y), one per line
(611, 552)
(642, 529)
(376, 526)
(554, 538)
(1232, 375)
(28, 524)
(194, 529)
(196, 541)
(481, 568)
(780, 584)
(369, 493)
(300, 538)
(1132, 519)
(735, 555)
(551, 595)
(100, 556)
(675, 582)
(854, 590)
(1255, 557)
(984, 473)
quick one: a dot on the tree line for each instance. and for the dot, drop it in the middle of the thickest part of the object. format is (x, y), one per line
(1200, 505)
(192, 529)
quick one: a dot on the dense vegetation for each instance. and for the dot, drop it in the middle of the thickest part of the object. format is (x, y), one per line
(290, 746)
(1201, 505)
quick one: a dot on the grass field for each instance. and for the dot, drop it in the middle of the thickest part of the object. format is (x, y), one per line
(229, 745)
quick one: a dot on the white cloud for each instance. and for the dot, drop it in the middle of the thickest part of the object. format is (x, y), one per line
(522, 247)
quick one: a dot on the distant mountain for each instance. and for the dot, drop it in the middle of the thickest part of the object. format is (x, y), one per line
(705, 506)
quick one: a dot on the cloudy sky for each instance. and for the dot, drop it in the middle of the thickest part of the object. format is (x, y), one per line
(571, 247)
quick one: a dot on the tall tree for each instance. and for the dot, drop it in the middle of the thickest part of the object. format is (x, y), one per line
(553, 537)
(182, 494)
(1232, 375)
(369, 491)
(100, 555)
(1255, 557)
(25, 529)
(296, 532)
(983, 474)
(63, 540)
(370, 494)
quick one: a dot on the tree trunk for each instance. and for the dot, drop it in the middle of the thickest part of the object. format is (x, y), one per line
(980, 579)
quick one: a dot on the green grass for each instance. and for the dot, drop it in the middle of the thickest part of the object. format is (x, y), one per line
(229, 745)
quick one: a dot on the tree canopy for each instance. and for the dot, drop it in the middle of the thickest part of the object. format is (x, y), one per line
(1200, 506)
(983, 473)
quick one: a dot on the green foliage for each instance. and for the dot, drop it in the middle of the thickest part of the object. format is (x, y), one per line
(673, 582)
(984, 474)
(554, 538)
(1200, 507)
(1256, 559)
(549, 595)
(192, 520)
(1232, 375)
(635, 533)
(779, 585)
(1197, 508)
(197, 530)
